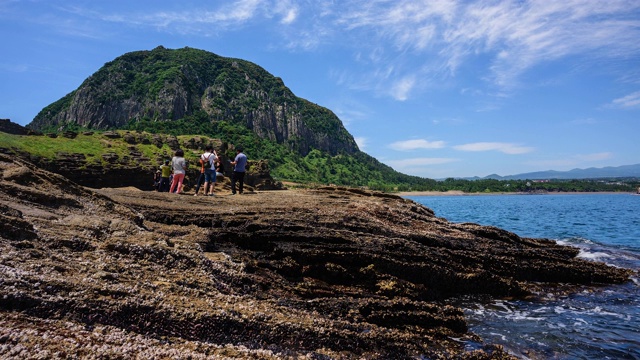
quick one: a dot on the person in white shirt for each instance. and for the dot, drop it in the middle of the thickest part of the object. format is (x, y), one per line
(208, 162)
(179, 165)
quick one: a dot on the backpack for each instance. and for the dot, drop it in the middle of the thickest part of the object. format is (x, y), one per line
(206, 164)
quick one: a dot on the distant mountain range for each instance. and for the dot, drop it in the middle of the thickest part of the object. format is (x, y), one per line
(589, 173)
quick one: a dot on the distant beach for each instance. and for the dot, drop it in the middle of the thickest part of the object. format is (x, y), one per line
(450, 193)
(462, 193)
(431, 193)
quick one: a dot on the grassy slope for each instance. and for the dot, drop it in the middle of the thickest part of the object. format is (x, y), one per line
(93, 147)
(316, 168)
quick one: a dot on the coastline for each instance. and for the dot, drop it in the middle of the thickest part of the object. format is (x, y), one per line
(462, 193)
(263, 276)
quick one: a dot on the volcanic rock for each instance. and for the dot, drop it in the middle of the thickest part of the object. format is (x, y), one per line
(12, 128)
(330, 273)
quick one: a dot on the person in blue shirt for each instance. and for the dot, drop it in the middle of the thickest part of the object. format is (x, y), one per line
(239, 168)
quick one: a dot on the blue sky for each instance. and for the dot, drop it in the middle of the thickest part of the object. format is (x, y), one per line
(432, 88)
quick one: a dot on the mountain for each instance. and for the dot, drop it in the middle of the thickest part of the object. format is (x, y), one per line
(165, 85)
(194, 92)
(589, 173)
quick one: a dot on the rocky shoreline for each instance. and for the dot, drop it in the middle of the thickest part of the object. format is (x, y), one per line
(327, 273)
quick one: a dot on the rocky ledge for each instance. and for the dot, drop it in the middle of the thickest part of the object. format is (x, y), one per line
(329, 273)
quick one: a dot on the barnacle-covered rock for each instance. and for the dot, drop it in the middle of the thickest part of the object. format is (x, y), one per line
(330, 273)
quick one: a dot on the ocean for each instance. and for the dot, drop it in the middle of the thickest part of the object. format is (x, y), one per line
(599, 323)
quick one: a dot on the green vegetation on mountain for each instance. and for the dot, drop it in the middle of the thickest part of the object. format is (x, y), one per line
(187, 92)
(316, 167)
(533, 186)
(166, 85)
(358, 169)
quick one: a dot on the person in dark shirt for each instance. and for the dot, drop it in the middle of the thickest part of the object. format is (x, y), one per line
(239, 168)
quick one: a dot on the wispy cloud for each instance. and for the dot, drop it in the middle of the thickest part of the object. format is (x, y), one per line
(416, 162)
(427, 167)
(13, 68)
(514, 36)
(402, 88)
(573, 160)
(197, 21)
(349, 110)
(203, 21)
(406, 46)
(416, 144)
(288, 11)
(585, 121)
(627, 102)
(82, 24)
(507, 148)
(361, 141)
(594, 157)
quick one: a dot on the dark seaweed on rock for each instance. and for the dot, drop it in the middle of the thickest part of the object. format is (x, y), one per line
(331, 273)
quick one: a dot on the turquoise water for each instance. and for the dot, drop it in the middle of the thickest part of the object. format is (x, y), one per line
(602, 323)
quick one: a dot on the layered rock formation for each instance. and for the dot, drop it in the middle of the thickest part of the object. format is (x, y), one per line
(329, 273)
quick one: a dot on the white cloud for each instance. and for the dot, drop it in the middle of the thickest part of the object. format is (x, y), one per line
(196, 21)
(427, 167)
(239, 11)
(513, 35)
(417, 162)
(594, 157)
(14, 68)
(507, 148)
(629, 101)
(404, 46)
(349, 109)
(522, 34)
(585, 121)
(416, 144)
(572, 161)
(290, 16)
(288, 10)
(361, 142)
(401, 89)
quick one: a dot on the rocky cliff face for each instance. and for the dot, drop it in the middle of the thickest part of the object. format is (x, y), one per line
(167, 85)
(12, 128)
(323, 274)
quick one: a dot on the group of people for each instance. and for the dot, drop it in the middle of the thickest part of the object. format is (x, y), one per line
(170, 176)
